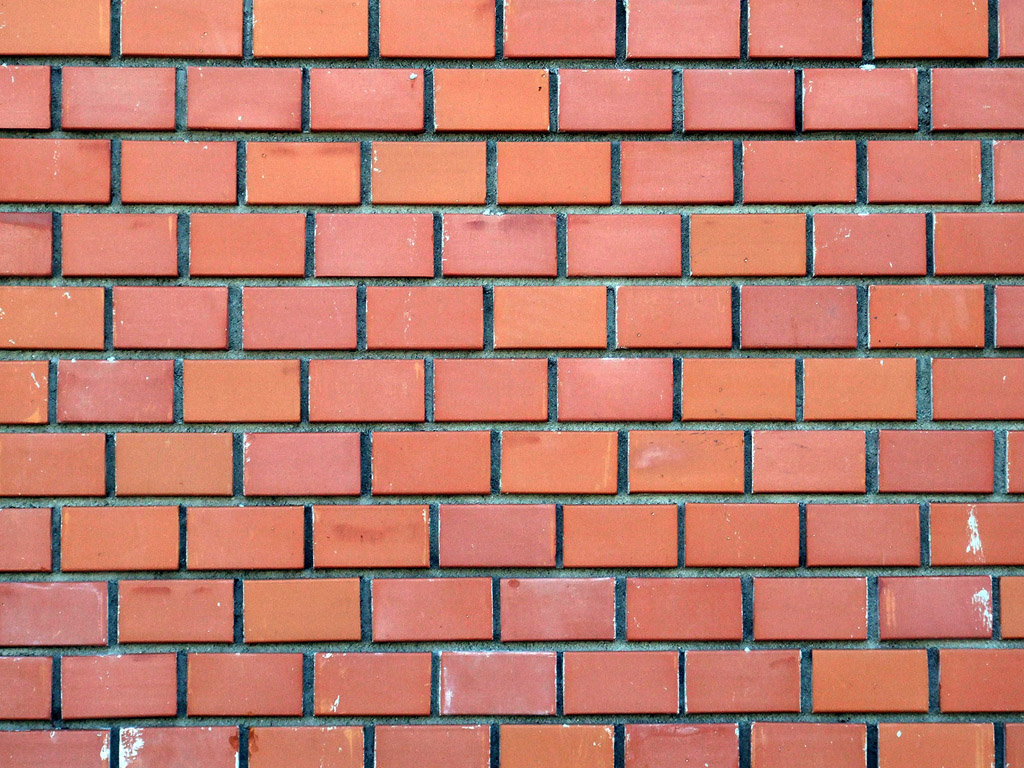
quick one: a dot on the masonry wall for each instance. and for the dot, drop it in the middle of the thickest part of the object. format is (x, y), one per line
(415, 383)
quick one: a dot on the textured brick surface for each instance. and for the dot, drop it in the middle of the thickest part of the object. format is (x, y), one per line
(511, 383)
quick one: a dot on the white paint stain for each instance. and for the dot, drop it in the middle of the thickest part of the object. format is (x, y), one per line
(131, 744)
(974, 544)
(982, 601)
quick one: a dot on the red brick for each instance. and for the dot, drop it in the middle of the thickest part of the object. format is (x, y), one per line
(553, 173)
(44, 317)
(26, 540)
(806, 745)
(935, 461)
(301, 610)
(782, 461)
(431, 462)
(248, 244)
(785, 29)
(870, 680)
(424, 317)
(932, 745)
(37, 464)
(553, 746)
(119, 539)
(431, 609)
(676, 171)
(614, 100)
(863, 535)
(204, 172)
(378, 536)
(924, 172)
(137, 685)
(749, 244)
(876, 244)
(1008, 171)
(978, 243)
(178, 317)
(497, 535)
(63, 28)
(602, 244)
(25, 688)
(799, 316)
(432, 746)
(296, 173)
(506, 683)
(491, 390)
(299, 318)
(669, 29)
(981, 679)
(520, 245)
(117, 98)
(684, 609)
(1014, 744)
(718, 389)
(927, 316)
(461, 29)
(210, 747)
(664, 317)
(26, 240)
(425, 173)
(1011, 43)
(306, 747)
(244, 99)
(53, 749)
(241, 390)
(559, 462)
(1011, 607)
(930, 29)
(119, 244)
(181, 28)
(860, 99)
(115, 391)
(799, 172)
(241, 538)
(969, 99)
(244, 684)
(560, 28)
(686, 461)
(742, 535)
(372, 684)
(913, 608)
(366, 99)
(557, 609)
(25, 97)
(710, 744)
(742, 681)
(545, 317)
(491, 100)
(25, 385)
(374, 245)
(366, 390)
(621, 536)
(810, 609)
(977, 534)
(977, 388)
(846, 389)
(56, 614)
(615, 389)
(55, 170)
(301, 464)
(1009, 316)
(310, 28)
(621, 682)
(739, 100)
(173, 464)
(175, 611)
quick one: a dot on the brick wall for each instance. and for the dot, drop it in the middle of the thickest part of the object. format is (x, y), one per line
(421, 383)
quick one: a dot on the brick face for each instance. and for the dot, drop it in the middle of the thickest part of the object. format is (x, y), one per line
(511, 383)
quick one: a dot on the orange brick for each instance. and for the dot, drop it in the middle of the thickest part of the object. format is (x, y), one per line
(978, 243)
(870, 680)
(176, 611)
(739, 389)
(924, 172)
(241, 390)
(432, 746)
(1009, 316)
(882, 99)
(25, 385)
(684, 609)
(742, 681)
(51, 318)
(310, 28)
(801, 745)
(977, 534)
(559, 462)
(115, 391)
(676, 171)
(119, 244)
(506, 683)
(810, 609)
(26, 685)
(424, 317)
(207, 747)
(366, 390)
(203, 173)
(301, 464)
(557, 609)
(25, 98)
(299, 317)
(595, 389)
(798, 316)
(490, 390)
(799, 171)
(863, 534)
(37, 464)
(276, 747)
(614, 100)
(545, 317)
(51, 749)
(935, 461)
(852, 389)
(249, 244)
(55, 27)
(551, 746)
(242, 538)
(918, 607)
(431, 462)
(237, 684)
(926, 745)
(424, 173)
(378, 536)
(372, 684)
(742, 535)
(491, 100)
(484, 244)
(1008, 171)
(781, 465)
(374, 245)
(563, 172)
(301, 610)
(968, 99)
(117, 98)
(461, 29)
(876, 244)
(981, 679)
(497, 535)
(26, 540)
(681, 461)
(431, 609)
(244, 99)
(131, 685)
(684, 29)
(26, 240)
(927, 316)
(749, 244)
(599, 682)
(621, 536)
(784, 29)
(173, 464)
(181, 28)
(55, 170)
(930, 29)
(611, 244)
(977, 389)
(173, 317)
(664, 317)
(1011, 606)
(739, 100)
(366, 99)
(57, 614)
(293, 173)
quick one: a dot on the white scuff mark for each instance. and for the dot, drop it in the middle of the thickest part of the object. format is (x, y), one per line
(982, 601)
(974, 544)
(131, 744)
(105, 748)
(34, 379)
(336, 704)
(899, 734)
(448, 698)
